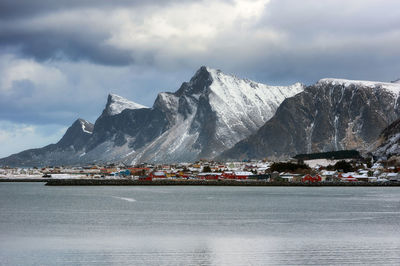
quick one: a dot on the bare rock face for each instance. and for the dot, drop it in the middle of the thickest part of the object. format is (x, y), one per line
(328, 116)
(205, 116)
(388, 143)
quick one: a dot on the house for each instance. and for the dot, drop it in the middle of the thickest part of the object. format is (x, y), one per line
(265, 177)
(328, 175)
(288, 177)
(158, 175)
(209, 176)
(243, 175)
(347, 177)
(228, 175)
(393, 176)
(311, 179)
(145, 178)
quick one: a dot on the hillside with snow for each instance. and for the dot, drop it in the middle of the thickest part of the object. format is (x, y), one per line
(331, 115)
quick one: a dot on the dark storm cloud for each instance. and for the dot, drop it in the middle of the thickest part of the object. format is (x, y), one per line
(23, 25)
(65, 45)
(12, 9)
(60, 58)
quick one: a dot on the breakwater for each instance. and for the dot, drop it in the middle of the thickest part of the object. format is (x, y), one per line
(24, 179)
(128, 182)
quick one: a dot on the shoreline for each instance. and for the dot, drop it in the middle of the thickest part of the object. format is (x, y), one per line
(248, 183)
(127, 182)
(16, 180)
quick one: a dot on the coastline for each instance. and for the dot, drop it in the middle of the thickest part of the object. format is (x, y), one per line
(127, 182)
(4, 180)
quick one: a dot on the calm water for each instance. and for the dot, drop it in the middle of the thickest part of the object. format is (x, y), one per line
(42, 225)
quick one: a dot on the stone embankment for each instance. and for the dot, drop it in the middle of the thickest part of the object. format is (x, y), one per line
(24, 179)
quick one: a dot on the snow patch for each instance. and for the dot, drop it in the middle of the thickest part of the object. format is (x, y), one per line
(117, 104)
(393, 87)
(83, 124)
(243, 106)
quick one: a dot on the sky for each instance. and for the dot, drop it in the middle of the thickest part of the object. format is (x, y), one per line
(60, 59)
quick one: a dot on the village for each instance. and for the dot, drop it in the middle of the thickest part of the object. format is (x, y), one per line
(293, 171)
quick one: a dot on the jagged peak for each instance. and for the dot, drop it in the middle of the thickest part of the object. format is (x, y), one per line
(116, 104)
(200, 81)
(392, 87)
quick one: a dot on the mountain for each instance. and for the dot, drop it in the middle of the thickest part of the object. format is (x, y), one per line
(331, 115)
(204, 117)
(63, 152)
(388, 143)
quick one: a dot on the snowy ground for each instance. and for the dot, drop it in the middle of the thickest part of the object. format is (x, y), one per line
(53, 176)
(320, 162)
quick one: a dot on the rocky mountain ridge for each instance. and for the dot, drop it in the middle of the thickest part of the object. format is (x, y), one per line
(205, 116)
(331, 115)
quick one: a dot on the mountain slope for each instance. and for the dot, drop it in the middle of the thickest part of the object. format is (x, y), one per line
(212, 112)
(63, 152)
(388, 143)
(333, 114)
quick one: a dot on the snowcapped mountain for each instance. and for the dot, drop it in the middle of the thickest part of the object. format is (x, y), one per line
(333, 114)
(210, 114)
(205, 116)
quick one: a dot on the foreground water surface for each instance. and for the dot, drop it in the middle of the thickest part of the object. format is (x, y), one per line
(183, 225)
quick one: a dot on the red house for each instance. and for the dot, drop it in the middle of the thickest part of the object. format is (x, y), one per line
(311, 179)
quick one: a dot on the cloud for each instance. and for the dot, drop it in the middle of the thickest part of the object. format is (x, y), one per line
(60, 59)
(271, 41)
(59, 92)
(146, 34)
(18, 137)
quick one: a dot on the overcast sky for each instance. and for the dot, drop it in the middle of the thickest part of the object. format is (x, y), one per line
(60, 59)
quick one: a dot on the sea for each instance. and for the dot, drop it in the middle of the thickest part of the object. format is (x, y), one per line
(196, 225)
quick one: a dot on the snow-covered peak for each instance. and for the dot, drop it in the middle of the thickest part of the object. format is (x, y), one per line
(231, 87)
(116, 104)
(396, 81)
(393, 87)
